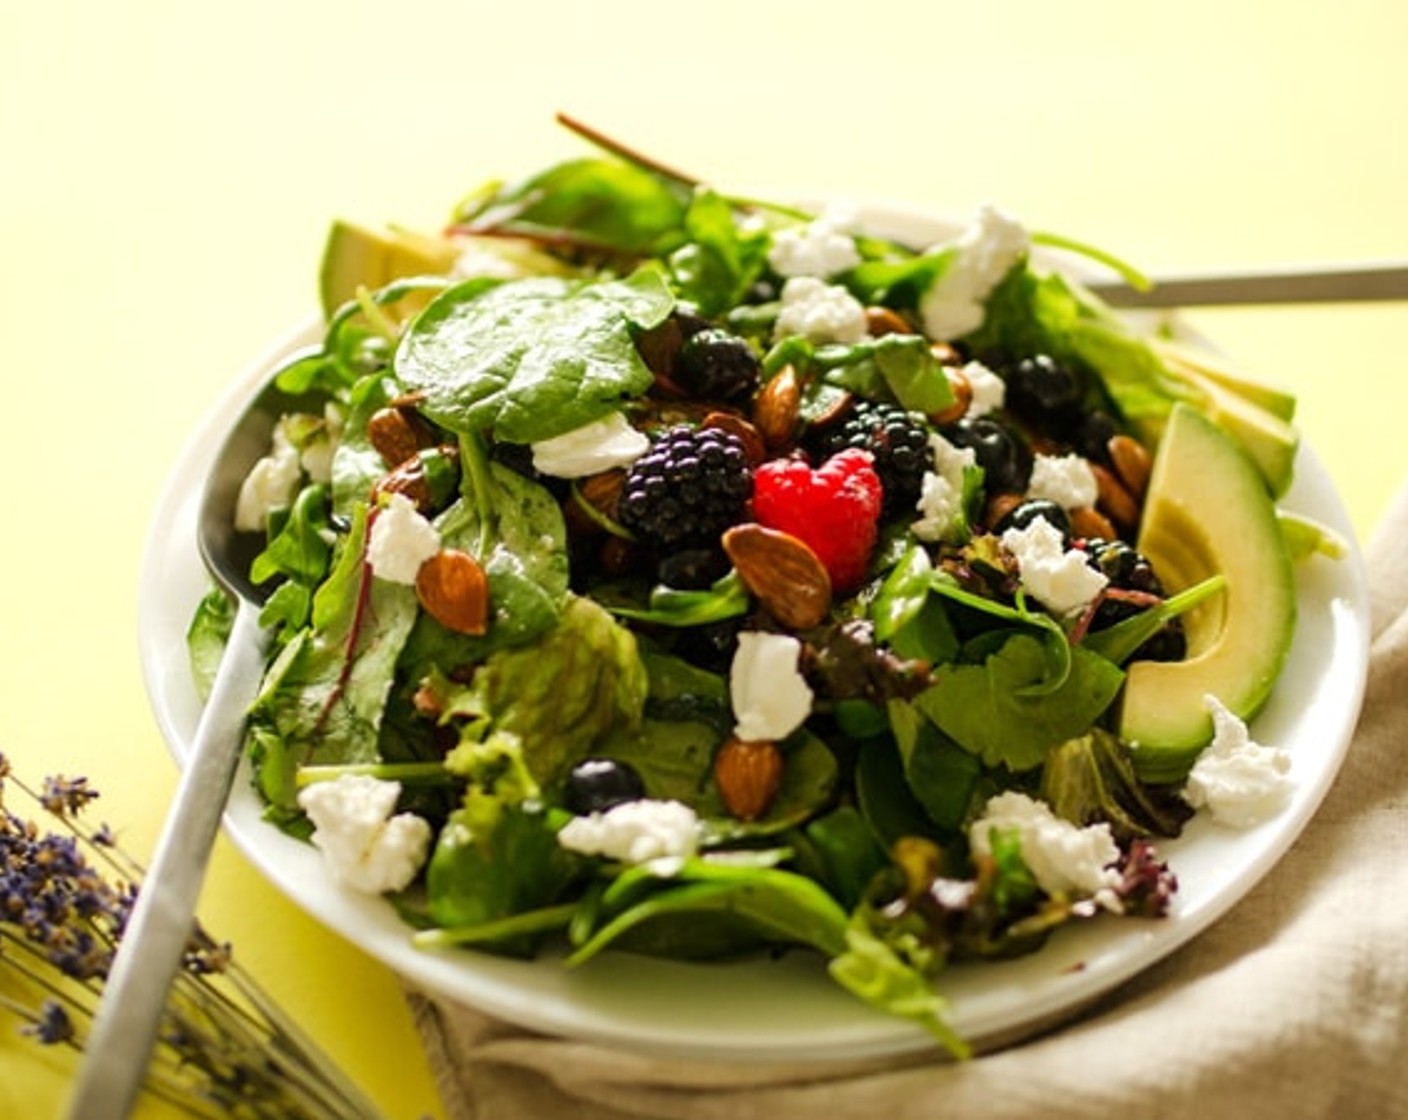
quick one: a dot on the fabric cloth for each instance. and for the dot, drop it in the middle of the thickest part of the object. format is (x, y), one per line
(1295, 1004)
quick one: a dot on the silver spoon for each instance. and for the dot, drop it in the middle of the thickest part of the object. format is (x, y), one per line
(159, 928)
(1334, 283)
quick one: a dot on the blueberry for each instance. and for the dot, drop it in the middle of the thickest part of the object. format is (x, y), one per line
(1003, 454)
(1021, 516)
(596, 784)
(1043, 389)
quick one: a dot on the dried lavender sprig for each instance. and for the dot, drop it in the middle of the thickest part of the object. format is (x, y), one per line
(242, 1056)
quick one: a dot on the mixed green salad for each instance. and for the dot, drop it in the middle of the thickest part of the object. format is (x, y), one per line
(683, 574)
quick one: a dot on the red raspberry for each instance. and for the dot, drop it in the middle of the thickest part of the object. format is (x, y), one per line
(835, 509)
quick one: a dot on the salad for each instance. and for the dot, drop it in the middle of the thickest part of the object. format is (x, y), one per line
(673, 573)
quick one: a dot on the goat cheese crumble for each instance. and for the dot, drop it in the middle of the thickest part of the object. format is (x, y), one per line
(364, 845)
(401, 541)
(271, 483)
(821, 248)
(989, 390)
(940, 503)
(983, 254)
(1057, 577)
(1238, 780)
(820, 312)
(771, 698)
(642, 831)
(594, 447)
(1062, 857)
(1066, 480)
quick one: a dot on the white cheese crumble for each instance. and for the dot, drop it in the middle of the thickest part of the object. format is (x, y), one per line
(401, 541)
(1066, 480)
(592, 448)
(363, 844)
(989, 390)
(983, 254)
(1062, 857)
(1056, 577)
(271, 483)
(642, 831)
(820, 312)
(1238, 780)
(940, 503)
(771, 698)
(821, 248)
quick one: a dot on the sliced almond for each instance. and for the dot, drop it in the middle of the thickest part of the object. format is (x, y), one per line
(782, 571)
(454, 590)
(748, 774)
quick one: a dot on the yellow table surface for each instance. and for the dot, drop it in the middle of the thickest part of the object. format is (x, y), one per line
(168, 170)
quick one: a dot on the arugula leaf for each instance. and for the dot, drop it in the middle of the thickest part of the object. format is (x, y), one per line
(530, 359)
(1004, 709)
(721, 260)
(324, 696)
(206, 635)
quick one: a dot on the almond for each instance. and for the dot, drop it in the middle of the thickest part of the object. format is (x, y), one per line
(777, 409)
(782, 571)
(881, 320)
(454, 590)
(1115, 501)
(1090, 524)
(1132, 463)
(962, 390)
(748, 774)
(397, 434)
(746, 432)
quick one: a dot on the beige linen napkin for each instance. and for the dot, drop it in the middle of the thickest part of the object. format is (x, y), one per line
(1293, 1005)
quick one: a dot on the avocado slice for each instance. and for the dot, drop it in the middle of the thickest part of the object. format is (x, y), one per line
(1208, 511)
(357, 256)
(1186, 358)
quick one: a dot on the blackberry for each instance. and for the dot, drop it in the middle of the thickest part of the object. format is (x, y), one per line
(689, 487)
(898, 440)
(1129, 570)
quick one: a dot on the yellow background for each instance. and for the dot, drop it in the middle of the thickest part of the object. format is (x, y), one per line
(168, 171)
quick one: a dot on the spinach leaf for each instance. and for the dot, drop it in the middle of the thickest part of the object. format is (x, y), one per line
(1006, 710)
(779, 906)
(530, 359)
(942, 776)
(493, 860)
(604, 203)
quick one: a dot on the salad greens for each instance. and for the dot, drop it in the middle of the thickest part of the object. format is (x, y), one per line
(937, 684)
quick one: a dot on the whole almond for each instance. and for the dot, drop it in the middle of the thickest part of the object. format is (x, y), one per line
(777, 409)
(454, 590)
(1132, 463)
(397, 434)
(748, 774)
(1089, 523)
(782, 571)
(962, 390)
(747, 433)
(880, 320)
(1115, 501)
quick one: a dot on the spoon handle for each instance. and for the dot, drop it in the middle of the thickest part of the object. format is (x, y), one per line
(1325, 284)
(159, 928)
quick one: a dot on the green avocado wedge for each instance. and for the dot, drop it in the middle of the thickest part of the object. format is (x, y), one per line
(358, 256)
(1207, 512)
